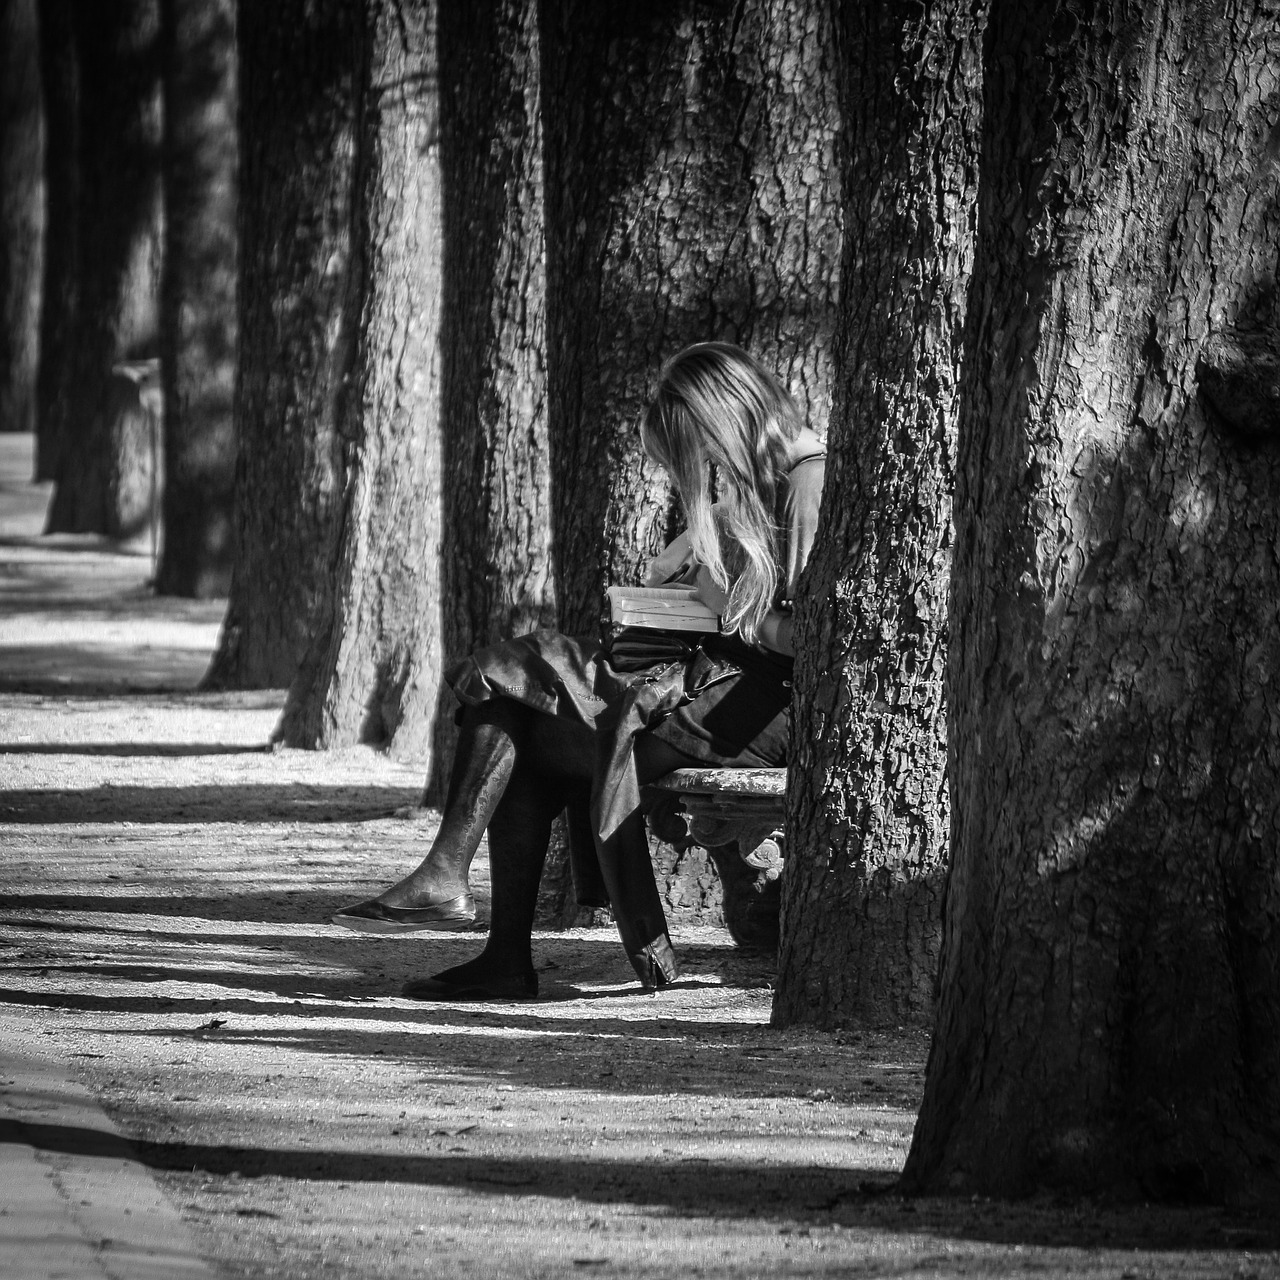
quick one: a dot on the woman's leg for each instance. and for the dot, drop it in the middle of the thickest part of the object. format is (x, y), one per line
(488, 744)
(494, 737)
(552, 756)
(519, 833)
(436, 894)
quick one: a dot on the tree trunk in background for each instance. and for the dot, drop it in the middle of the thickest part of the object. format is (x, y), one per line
(497, 566)
(691, 194)
(373, 673)
(104, 458)
(21, 212)
(198, 297)
(868, 811)
(1109, 1016)
(60, 288)
(298, 68)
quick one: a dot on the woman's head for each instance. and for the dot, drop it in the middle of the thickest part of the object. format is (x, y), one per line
(718, 407)
(717, 404)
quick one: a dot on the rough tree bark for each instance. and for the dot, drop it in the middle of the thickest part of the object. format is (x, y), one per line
(198, 297)
(298, 68)
(21, 212)
(867, 796)
(691, 194)
(1109, 1014)
(104, 454)
(373, 672)
(496, 568)
(60, 287)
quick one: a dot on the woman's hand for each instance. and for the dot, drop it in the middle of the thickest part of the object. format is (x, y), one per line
(675, 564)
(709, 592)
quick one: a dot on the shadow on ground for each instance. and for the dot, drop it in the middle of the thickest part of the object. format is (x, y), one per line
(849, 1197)
(242, 801)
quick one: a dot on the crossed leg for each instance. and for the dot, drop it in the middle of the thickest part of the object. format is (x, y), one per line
(514, 771)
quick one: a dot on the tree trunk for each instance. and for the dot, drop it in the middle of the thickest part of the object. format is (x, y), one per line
(868, 804)
(105, 456)
(21, 212)
(198, 297)
(296, 342)
(496, 523)
(373, 673)
(691, 194)
(1109, 1014)
(60, 287)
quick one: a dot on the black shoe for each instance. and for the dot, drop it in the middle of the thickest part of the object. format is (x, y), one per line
(441, 988)
(377, 917)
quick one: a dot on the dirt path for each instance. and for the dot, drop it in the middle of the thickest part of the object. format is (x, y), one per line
(163, 929)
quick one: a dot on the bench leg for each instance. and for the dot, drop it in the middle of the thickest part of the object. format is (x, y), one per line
(751, 886)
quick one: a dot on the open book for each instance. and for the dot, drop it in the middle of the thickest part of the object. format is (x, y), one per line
(659, 609)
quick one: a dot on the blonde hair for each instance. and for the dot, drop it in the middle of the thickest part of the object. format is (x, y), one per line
(716, 407)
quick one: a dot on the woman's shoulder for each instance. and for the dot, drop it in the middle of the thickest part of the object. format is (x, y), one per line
(801, 490)
(808, 467)
(808, 462)
(807, 450)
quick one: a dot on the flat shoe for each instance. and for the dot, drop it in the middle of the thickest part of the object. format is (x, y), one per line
(377, 917)
(499, 989)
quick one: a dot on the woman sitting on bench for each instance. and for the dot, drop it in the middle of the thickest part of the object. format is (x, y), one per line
(546, 720)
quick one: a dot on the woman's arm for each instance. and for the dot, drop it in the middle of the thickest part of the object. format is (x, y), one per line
(675, 563)
(672, 564)
(709, 591)
(777, 632)
(776, 628)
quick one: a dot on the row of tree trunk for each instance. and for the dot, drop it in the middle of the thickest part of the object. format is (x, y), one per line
(117, 175)
(1028, 252)
(494, 225)
(22, 212)
(1022, 258)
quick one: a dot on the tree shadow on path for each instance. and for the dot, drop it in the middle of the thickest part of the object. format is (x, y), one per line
(242, 801)
(805, 1194)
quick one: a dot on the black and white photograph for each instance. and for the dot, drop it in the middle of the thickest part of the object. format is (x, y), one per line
(639, 639)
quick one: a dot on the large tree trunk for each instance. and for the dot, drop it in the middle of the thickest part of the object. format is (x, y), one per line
(691, 194)
(104, 457)
(60, 288)
(1110, 1014)
(868, 811)
(296, 341)
(21, 212)
(198, 297)
(496, 523)
(373, 672)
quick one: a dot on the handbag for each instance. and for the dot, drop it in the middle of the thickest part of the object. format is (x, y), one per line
(654, 626)
(635, 648)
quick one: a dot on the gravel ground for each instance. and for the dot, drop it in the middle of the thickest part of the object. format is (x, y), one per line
(164, 921)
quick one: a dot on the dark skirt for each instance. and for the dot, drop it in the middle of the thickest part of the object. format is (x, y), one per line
(728, 705)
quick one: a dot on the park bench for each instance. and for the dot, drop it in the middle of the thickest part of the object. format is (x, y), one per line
(736, 815)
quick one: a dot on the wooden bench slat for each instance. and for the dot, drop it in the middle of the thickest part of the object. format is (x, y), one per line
(765, 784)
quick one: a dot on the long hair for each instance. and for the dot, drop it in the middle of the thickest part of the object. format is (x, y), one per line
(718, 409)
